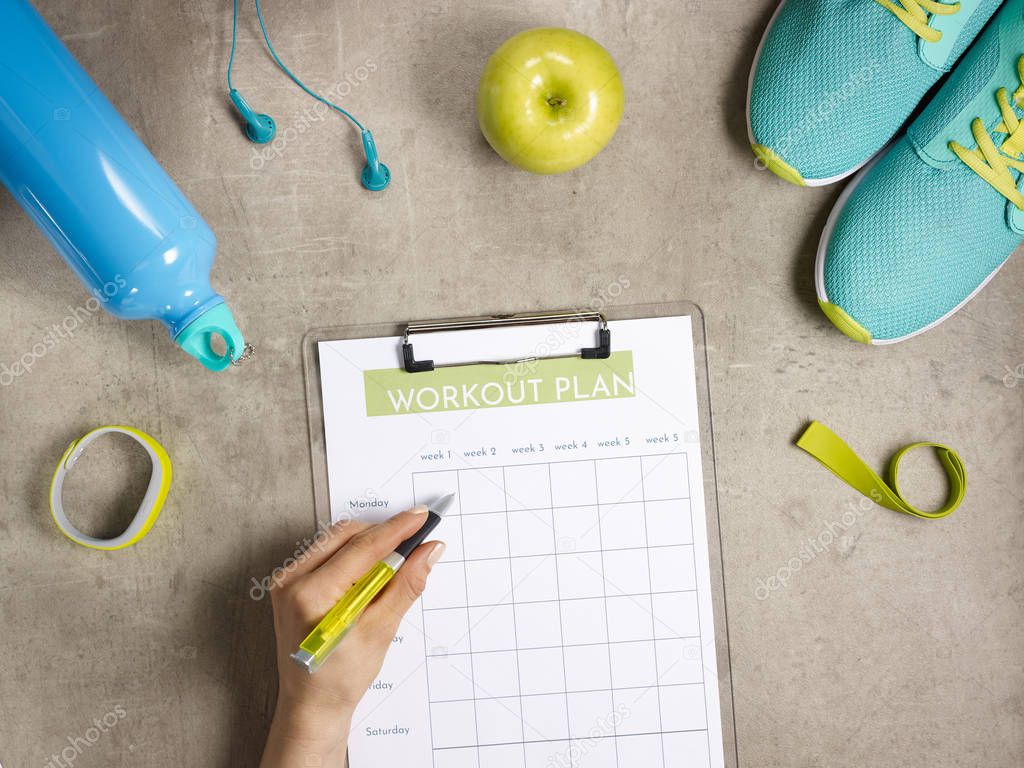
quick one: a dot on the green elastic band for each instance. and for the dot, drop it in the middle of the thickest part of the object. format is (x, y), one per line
(824, 445)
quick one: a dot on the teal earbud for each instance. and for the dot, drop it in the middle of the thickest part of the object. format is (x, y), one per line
(376, 175)
(259, 128)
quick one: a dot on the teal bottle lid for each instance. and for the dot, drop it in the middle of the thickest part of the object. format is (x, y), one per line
(197, 338)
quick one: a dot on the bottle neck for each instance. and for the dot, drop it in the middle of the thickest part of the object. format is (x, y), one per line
(200, 306)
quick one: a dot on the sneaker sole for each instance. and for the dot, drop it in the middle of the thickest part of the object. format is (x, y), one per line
(819, 265)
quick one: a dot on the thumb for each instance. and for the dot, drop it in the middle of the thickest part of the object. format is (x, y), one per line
(386, 612)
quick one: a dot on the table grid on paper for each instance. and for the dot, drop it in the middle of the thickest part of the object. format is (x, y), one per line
(561, 627)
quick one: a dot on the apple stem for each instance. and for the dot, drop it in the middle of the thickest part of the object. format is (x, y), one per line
(556, 101)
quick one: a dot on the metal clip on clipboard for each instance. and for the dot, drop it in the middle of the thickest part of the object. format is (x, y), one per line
(602, 351)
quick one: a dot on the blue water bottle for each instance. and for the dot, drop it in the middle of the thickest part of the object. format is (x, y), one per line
(89, 183)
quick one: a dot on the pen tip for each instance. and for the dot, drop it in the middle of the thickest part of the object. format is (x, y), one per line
(442, 504)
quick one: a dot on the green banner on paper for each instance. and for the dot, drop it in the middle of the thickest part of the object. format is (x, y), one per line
(392, 391)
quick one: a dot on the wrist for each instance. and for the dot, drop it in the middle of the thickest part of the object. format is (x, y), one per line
(311, 720)
(303, 734)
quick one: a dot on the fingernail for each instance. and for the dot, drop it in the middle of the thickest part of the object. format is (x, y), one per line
(419, 509)
(435, 554)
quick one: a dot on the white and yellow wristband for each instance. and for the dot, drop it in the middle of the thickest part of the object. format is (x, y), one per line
(149, 509)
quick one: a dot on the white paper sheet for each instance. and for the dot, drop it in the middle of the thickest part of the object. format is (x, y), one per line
(569, 623)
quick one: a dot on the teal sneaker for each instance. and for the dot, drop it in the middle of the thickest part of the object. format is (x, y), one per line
(921, 230)
(834, 80)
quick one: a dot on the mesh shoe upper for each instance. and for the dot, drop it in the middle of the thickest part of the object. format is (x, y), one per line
(912, 242)
(836, 79)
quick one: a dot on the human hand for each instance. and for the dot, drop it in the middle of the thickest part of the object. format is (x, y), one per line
(314, 712)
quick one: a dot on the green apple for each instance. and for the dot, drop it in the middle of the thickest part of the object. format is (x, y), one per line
(549, 100)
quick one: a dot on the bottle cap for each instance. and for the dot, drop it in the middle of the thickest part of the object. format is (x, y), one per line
(197, 337)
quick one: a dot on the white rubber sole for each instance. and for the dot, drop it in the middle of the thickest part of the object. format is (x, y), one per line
(750, 130)
(826, 236)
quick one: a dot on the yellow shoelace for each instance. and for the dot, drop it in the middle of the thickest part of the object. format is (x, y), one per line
(991, 163)
(914, 13)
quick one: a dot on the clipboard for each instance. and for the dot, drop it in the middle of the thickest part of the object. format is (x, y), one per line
(409, 338)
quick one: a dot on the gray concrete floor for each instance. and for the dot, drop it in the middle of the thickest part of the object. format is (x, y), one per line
(902, 644)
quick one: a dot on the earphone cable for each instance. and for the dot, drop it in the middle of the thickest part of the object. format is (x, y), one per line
(234, 39)
(294, 78)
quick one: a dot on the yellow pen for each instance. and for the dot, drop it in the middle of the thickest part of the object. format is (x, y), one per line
(318, 645)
